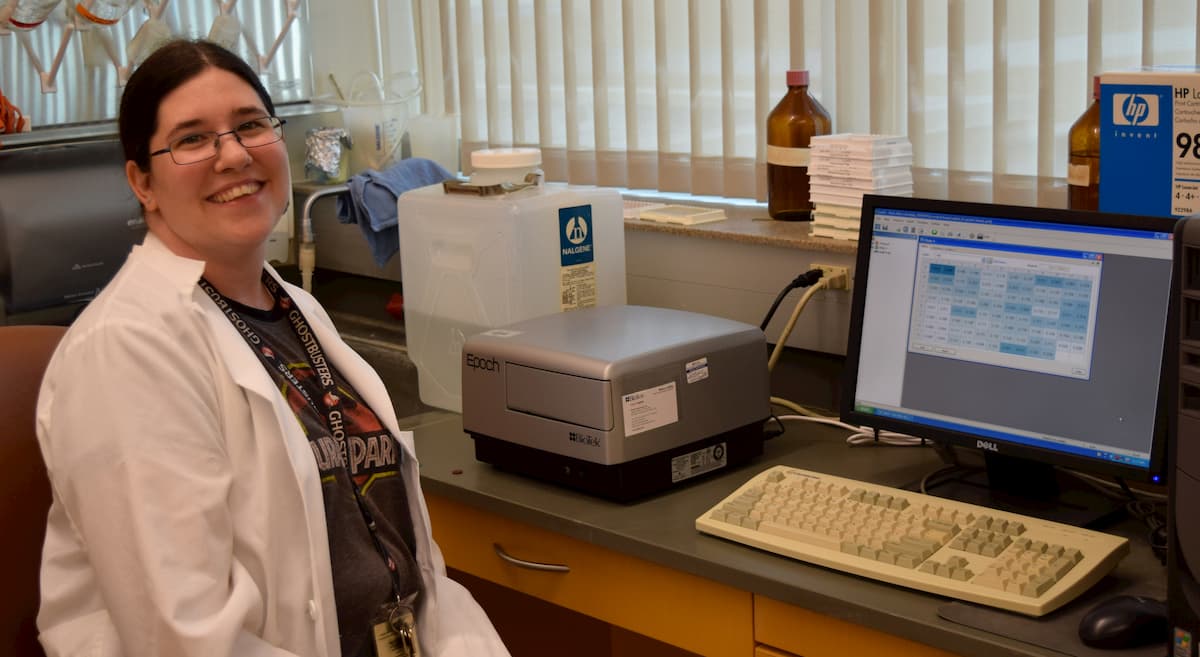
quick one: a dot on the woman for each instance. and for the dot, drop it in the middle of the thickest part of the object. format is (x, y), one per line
(228, 476)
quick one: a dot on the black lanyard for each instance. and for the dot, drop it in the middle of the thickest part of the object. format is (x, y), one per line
(330, 404)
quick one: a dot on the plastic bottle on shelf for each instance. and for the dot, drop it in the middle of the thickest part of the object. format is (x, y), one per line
(795, 120)
(103, 12)
(493, 166)
(1083, 162)
(28, 14)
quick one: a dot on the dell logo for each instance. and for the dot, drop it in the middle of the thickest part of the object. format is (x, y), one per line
(988, 445)
(486, 364)
(1135, 109)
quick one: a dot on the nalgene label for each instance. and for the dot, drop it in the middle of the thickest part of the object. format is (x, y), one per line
(577, 271)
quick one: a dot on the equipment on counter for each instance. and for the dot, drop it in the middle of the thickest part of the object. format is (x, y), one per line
(618, 401)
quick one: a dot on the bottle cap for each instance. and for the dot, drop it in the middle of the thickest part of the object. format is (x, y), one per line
(1096, 87)
(797, 78)
(506, 158)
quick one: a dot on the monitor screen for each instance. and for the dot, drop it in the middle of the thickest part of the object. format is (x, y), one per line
(1022, 332)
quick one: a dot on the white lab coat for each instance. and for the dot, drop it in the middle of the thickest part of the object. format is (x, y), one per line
(187, 514)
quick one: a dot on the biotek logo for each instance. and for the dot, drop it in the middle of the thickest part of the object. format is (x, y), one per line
(486, 364)
(1135, 109)
(988, 445)
(583, 438)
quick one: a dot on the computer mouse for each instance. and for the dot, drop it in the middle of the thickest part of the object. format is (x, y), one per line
(1125, 621)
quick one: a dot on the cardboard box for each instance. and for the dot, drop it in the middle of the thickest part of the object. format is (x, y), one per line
(1150, 141)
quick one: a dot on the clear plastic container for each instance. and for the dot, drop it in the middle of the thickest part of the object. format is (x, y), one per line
(103, 12)
(28, 14)
(470, 263)
(493, 166)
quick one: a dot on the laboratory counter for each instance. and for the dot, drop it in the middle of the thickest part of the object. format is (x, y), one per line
(645, 567)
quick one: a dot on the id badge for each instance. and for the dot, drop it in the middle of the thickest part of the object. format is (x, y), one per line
(395, 631)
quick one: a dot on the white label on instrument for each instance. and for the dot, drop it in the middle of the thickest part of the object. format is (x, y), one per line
(698, 462)
(650, 409)
(788, 157)
(696, 370)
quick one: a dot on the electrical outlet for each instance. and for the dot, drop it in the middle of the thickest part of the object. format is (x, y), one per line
(838, 278)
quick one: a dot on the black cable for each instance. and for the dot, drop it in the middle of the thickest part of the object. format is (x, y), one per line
(767, 435)
(1151, 515)
(803, 280)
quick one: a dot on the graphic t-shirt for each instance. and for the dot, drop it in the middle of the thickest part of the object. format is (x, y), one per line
(361, 580)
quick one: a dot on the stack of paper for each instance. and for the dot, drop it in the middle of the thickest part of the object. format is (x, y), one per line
(844, 167)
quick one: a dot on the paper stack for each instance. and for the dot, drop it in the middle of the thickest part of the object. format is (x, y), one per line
(844, 167)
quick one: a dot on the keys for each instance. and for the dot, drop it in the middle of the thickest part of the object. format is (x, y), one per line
(923, 542)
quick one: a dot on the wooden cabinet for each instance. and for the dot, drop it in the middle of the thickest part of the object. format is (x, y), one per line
(689, 612)
(802, 632)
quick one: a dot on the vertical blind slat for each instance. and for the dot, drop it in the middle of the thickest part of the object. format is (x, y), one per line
(599, 76)
(491, 71)
(796, 29)
(762, 104)
(957, 84)
(1147, 32)
(915, 63)
(515, 72)
(1047, 145)
(999, 84)
(727, 96)
(472, 138)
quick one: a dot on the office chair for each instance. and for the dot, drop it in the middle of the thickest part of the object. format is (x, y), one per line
(24, 488)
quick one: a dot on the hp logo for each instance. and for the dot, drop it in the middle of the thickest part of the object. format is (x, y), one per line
(1135, 109)
(576, 230)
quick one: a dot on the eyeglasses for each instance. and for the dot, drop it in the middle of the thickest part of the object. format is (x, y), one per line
(200, 146)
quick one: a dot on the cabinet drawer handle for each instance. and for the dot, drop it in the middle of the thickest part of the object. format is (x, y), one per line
(532, 565)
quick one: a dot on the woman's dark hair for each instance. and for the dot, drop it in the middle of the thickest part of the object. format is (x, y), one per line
(163, 71)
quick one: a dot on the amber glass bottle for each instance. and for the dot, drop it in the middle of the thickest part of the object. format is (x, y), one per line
(790, 126)
(1083, 162)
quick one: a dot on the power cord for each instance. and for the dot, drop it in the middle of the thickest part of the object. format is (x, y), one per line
(803, 280)
(858, 435)
(791, 323)
(767, 435)
(1152, 516)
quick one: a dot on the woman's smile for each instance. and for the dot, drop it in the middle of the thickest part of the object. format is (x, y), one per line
(236, 192)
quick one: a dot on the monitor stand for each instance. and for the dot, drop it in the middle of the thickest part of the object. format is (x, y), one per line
(1033, 489)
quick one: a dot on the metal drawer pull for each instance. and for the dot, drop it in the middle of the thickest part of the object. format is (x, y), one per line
(532, 565)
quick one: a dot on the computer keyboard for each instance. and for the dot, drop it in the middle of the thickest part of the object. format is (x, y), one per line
(972, 553)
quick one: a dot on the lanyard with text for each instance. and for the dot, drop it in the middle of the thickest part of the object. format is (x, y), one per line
(330, 403)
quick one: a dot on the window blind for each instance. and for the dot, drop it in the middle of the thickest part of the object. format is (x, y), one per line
(672, 95)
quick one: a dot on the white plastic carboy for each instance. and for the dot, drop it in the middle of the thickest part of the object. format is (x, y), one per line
(500, 248)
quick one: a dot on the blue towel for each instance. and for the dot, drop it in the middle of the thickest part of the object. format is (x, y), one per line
(372, 201)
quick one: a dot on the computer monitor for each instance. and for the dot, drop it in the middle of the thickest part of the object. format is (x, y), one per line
(1034, 336)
